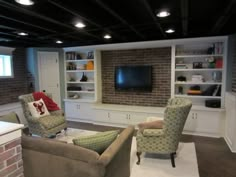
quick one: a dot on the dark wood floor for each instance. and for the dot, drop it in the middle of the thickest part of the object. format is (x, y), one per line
(214, 157)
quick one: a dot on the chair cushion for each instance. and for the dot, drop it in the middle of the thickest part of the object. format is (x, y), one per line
(98, 142)
(10, 117)
(38, 109)
(50, 121)
(157, 124)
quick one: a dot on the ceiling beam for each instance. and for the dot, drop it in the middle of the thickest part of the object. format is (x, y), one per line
(45, 18)
(184, 16)
(25, 23)
(222, 20)
(55, 33)
(154, 18)
(67, 9)
(113, 13)
(19, 38)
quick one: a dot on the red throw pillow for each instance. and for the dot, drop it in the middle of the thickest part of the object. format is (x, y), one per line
(50, 104)
(157, 124)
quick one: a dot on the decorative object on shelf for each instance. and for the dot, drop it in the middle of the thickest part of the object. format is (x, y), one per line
(180, 90)
(78, 56)
(80, 66)
(89, 65)
(90, 89)
(211, 50)
(84, 78)
(195, 90)
(197, 78)
(197, 65)
(70, 55)
(72, 79)
(90, 55)
(75, 96)
(213, 90)
(213, 103)
(211, 62)
(181, 78)
(71, 66)
(180, 66)
(217, 76)
(74, 88)
(219, 63)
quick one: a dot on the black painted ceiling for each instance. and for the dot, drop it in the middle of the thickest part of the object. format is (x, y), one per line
(125, 20)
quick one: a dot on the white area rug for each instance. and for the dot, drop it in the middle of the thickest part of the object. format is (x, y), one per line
(152, 165)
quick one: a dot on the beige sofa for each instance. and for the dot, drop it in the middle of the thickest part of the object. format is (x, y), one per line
(50, 158)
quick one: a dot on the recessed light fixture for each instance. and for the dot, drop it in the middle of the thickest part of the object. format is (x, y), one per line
(23, 34)
(59, 42)
(170, 31)
(107, 36)
(80, 25)
(25, 2)
(163, 13)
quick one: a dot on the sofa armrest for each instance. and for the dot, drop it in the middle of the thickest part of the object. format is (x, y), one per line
(123, 141)
(153, 132)
(57, 148)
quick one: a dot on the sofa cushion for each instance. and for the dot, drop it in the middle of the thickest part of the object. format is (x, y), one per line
(98, 142)
(50, 121)
(10, 117)
(38, 109)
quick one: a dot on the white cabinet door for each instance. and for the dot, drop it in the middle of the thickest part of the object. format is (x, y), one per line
(102, 116)
(118, 117)
(137, 117)
(204, 122)
(79, 111)
(71, 109)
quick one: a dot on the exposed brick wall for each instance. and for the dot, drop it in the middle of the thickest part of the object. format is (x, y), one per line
(11, 88)
(158, 58)
(11, 164)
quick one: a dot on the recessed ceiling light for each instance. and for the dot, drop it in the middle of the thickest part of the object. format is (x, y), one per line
(23, 34)
(80, 25)
(170, 31)
(59, 42)
(163, 14)
(107, 36)
(25, 2)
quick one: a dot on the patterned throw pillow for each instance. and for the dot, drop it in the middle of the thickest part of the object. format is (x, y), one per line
(38, 109)
(98, 142)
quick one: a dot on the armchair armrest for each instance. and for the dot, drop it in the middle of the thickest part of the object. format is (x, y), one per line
(153, 132)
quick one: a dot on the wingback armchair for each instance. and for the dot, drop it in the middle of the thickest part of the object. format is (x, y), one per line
(165, 140)
(43, 126)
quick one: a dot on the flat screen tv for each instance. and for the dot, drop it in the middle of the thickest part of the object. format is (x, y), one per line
(137, 78)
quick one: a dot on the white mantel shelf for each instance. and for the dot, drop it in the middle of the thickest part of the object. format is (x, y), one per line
(6, 127)
(9, 131)
(117, 107)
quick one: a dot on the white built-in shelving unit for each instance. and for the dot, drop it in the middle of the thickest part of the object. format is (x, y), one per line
(204, 59)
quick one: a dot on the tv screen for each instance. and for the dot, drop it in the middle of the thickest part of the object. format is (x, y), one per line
(133, 78)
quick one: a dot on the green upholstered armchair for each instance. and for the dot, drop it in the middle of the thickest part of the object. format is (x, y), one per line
(44, 126)
(165, 140)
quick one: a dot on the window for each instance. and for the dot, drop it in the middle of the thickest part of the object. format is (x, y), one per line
(6, 66)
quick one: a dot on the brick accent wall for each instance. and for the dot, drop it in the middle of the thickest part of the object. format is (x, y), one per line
(158, 58)
(11, 164)
(11, 88)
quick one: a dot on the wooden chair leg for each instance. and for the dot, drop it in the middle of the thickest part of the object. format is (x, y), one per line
(172, 156)
(138, 155)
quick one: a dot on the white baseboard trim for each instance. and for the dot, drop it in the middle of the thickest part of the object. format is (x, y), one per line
(211, 135)
(229, 144)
